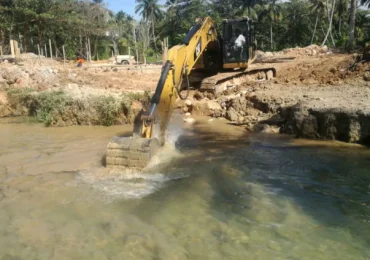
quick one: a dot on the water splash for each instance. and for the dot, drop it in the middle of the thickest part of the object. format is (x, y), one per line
(123, 183)
(133, 184)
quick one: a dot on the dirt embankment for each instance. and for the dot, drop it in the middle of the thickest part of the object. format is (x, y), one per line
(61, 95)
(312, 97)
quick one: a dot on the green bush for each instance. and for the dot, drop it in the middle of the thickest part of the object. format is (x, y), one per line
(49, 105)
(59, 108)
(19, 96)
(108, 109)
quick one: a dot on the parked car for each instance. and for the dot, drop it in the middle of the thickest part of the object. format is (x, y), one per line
(125, 59)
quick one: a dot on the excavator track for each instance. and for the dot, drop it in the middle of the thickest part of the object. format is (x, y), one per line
(214, 84)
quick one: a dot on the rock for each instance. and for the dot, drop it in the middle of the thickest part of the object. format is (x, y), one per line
(268, 54)
(269, 75)
(198, 95)
(266, 129)
(367, 76)
(185, 109)
(230, 97)
(4, 110)
(72, 86)
(309, 127)
(232, 115)
(189, 120)
(213, 105)
(250, 95)
(188, 114)
(188, 103)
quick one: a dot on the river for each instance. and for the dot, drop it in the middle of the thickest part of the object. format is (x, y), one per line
(215, 192)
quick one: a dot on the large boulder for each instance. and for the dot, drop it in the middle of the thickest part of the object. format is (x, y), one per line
(232, 115)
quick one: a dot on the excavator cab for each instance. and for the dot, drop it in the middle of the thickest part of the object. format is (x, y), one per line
(238, 43)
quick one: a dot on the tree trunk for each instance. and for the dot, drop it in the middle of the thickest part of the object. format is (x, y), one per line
(134, 35)
(330, 19)
(340, 26)
(153, 33)
(154, 38)
(114, 41)
(314, 30)
(271, 42)
(330, 23)
(25, 37)
(96, 48)
(81, 41)
(352, 21)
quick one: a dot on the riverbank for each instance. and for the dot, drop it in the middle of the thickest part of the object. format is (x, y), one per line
(312, 97)
(315, 95)
(62, 95)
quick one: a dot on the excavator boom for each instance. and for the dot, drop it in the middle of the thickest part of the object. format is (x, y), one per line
(202, 49)
(137, 151)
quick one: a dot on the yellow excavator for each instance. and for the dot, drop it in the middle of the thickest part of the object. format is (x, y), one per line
(218, 59)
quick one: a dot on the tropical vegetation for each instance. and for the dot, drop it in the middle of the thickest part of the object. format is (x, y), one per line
(89, 28)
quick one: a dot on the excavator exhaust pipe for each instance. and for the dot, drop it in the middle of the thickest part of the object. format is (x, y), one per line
(131, 152)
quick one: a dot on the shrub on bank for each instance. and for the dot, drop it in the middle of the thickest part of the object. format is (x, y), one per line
(58, 108)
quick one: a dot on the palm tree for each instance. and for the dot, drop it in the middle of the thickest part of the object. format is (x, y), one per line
(365, 3)
(342, 9)
(318, 7)
(330, 17)
(273, 12)
(352, 22)
(249, 4)
(150, 10)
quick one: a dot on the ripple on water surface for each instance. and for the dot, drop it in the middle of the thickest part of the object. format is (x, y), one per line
(221, 195)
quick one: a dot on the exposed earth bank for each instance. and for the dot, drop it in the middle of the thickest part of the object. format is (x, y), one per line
(315, 95)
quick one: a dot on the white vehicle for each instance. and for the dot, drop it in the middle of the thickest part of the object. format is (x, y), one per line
(125, 59)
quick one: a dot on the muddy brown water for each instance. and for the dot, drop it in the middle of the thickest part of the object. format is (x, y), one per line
(214, 192)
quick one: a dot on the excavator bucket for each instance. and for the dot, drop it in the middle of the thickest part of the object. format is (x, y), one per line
(132, 152)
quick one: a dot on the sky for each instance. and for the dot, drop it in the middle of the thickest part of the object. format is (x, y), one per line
(128, 6)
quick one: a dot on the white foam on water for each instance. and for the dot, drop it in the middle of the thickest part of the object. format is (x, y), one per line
(169, 152)
(131, 183)
(125, 183)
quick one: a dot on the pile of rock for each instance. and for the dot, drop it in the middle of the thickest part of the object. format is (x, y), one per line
(311, 50)
(37, 78)
(239, 108)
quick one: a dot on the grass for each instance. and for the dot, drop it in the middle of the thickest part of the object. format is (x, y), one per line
(57, 108)
(108, 109)
(50, 105)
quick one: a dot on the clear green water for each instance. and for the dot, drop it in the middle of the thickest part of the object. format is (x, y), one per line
(222, 194)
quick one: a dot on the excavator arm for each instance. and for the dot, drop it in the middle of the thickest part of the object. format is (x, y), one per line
(137, 151)
(181, 60)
